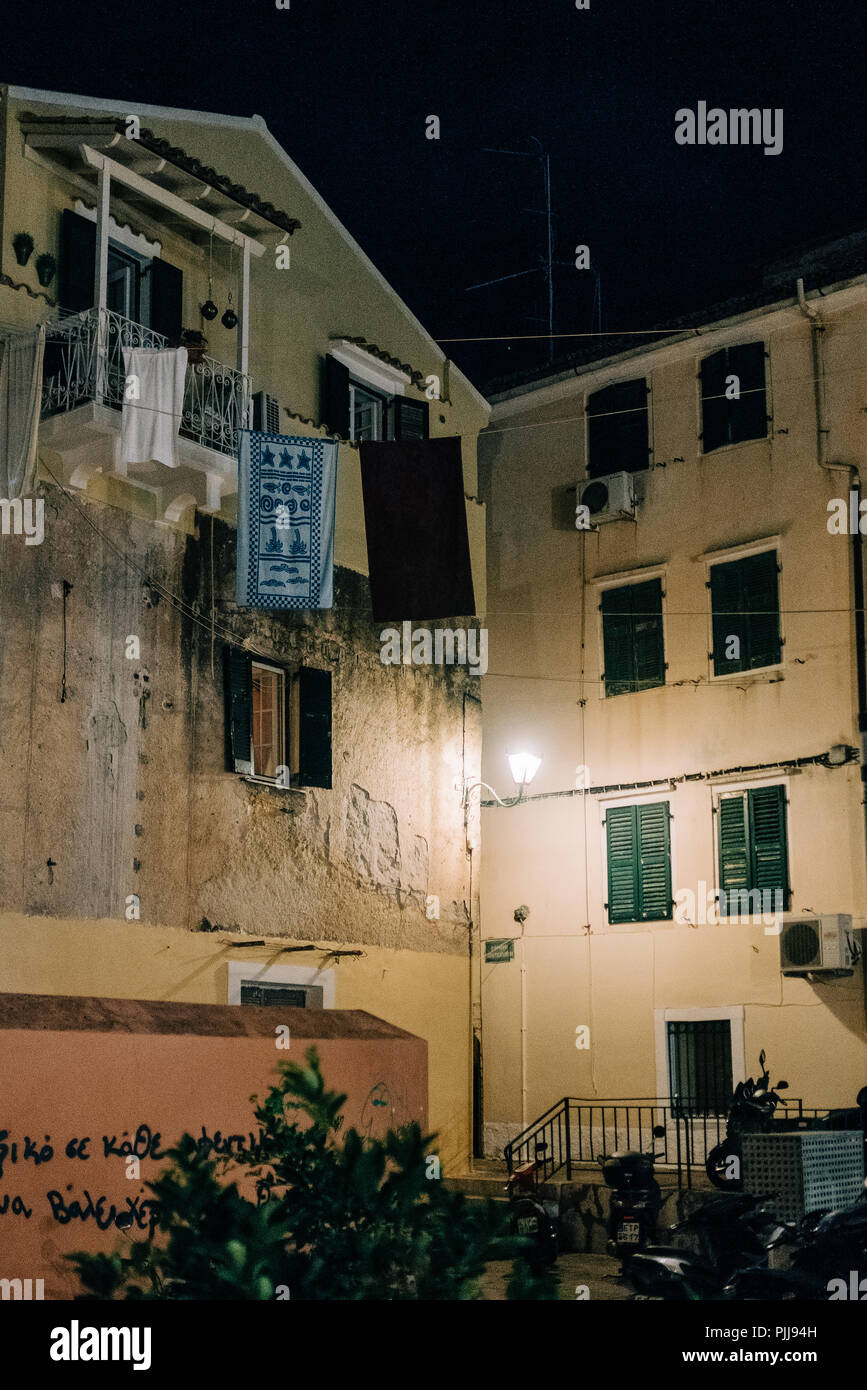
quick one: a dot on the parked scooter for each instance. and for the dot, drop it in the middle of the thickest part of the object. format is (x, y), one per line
(731, 1235)
(752, 1112)
(533, 1217)
(635, 1198)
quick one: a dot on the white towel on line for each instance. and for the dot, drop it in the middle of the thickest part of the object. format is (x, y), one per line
(152, 404)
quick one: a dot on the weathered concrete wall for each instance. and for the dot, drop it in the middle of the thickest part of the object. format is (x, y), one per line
(122, 785)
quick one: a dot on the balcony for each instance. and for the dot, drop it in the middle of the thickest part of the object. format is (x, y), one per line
(82, 399)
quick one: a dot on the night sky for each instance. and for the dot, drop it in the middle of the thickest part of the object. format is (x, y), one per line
(346, 88)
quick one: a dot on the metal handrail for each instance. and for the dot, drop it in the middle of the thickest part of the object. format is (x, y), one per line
(87, 351)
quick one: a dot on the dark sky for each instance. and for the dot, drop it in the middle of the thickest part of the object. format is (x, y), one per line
(346, 88)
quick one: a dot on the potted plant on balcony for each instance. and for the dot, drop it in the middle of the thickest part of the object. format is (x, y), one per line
(196, 344)
(46, 265)
(22, 244)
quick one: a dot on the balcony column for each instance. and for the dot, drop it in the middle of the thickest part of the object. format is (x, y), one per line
(244, 326)
(100, 280)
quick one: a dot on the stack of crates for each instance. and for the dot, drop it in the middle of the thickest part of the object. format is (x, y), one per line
(804, 1170)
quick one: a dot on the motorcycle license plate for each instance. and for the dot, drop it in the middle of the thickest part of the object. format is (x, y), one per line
(528, 1225)
(628, 1233)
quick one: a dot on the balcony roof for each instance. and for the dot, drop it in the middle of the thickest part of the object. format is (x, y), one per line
(63, 139)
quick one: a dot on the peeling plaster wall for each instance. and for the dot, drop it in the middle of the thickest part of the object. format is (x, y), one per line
(122, 784)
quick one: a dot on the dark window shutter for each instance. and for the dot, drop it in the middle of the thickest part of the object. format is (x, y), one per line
(617, 640)
(714, 406)
(77, 262)
(315, 727)
(621, 837)
(768, 843)
(239, 710)
(748, 415)
(734, 856)
(335, 394)
(647, 643)
(411, 418)
(617, 429)
(167, 295)
(762, 608)
(727, 617)
(654, 862)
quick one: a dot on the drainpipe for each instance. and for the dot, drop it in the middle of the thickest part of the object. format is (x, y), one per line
(817, 329)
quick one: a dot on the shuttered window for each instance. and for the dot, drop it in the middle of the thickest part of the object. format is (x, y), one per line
(733, 396)
(617, 438)
(639, 863)
(281, 726)
(632, 638)
(745, 604)
(753, 851)
(355, 410)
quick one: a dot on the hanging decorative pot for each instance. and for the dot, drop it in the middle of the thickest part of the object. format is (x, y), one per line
(46, 265)
(230, 318)
(209, 310)
(22, 243)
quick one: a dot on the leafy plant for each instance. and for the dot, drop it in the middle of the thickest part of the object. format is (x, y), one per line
(336, 1217)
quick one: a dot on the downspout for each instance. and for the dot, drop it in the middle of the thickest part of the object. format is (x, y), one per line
(817, 329)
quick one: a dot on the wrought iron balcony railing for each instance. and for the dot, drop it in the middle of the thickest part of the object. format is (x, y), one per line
(84, 362)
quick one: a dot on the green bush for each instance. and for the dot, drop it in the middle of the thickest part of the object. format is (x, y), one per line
(354, 1219)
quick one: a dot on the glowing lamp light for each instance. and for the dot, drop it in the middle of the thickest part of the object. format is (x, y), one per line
(524, 767)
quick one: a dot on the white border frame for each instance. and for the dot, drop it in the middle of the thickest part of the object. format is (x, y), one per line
(605, 802)
(369, 370)
(734, 1013)
(723, 557)
(281, 975)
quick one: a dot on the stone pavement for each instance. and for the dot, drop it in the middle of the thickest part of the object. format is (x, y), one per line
(572, 1269)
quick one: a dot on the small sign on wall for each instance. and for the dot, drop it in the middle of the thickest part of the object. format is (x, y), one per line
(500, 949)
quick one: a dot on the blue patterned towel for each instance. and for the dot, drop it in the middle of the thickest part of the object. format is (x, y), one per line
(287, 486)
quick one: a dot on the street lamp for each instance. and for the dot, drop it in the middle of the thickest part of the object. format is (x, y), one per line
(523, 766)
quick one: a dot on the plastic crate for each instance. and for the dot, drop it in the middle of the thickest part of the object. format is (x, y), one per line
(804, 1169)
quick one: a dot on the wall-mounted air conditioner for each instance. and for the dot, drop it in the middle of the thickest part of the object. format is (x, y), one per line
(608, 499)
(266, 413)
(818, 946)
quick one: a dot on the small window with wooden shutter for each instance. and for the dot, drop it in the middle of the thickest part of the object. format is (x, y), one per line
(632, 637)
(278, 723)
(617, 429)
(745, 606)
(753, 851)
(734, 404)
(639, 862)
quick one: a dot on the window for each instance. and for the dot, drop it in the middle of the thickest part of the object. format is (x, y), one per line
(632, 637)
(700, 1066)
(745, 604)
(147, 290)
(639, 863)
(753, 851)
(617, 438)
(356, 409)
(278, 723)
(268, 993)
(269, 720)
(733, 398)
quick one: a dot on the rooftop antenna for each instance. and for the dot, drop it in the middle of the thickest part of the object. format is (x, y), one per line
(547, 265)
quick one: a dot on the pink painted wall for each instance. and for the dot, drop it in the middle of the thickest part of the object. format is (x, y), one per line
(71, 1068)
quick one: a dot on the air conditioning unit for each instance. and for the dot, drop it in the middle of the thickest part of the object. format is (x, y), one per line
(818, 946)
(266, 413)
(608, 499)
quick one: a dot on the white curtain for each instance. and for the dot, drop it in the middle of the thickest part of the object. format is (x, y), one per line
(21, 357)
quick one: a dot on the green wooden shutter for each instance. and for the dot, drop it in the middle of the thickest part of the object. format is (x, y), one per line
(622, 842)
(728, 619)
(411, 418)
(167, 299)
(734, 853)
(238, 673)
(768, 842)
(617, 434)
(761, 602)
(335, 396)
(714, 406)
(618, 652)
(647, 643)
(77, 262)
(748, 415)
(315, 727)
(654, 862)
